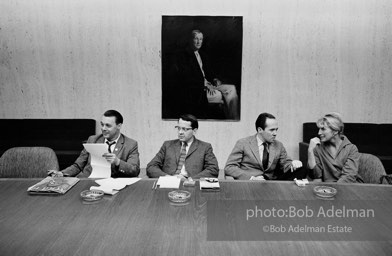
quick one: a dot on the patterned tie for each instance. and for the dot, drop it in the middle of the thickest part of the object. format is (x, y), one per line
(265, 156)
(109, 145)
(182, 158)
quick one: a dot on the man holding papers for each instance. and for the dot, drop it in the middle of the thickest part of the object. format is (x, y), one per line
(186, 156)
(122, 152)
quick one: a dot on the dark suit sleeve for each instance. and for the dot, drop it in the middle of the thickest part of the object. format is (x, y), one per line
(129, 163)
(210, 168)
(80, 162)
(232, 167)
(154, 167)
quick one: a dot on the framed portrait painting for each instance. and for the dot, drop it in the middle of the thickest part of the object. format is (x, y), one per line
(201, 67)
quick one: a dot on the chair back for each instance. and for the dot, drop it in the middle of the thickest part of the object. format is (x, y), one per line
(370, 168)
(28, 162)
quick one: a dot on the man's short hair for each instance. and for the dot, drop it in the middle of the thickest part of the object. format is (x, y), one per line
(116, 114)
(261, 119)
(190, 118)
(194, 32)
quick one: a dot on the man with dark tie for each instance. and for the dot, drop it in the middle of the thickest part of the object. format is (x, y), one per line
(122, 152)
(186, 156)
(261, 156)
(197, 80)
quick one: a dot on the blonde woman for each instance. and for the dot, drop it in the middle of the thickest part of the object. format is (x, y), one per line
(331, 156)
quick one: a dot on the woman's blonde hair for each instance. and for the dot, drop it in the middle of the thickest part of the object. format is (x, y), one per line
(333, 121)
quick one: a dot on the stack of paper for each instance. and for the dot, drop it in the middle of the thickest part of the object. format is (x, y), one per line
(209, 184)
(168, 182)
(301, 183)
(112, 186)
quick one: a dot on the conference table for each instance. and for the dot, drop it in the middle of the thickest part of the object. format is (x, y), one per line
(140, 220)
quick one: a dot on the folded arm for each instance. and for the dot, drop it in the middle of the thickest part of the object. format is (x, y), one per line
(233, 165)
(130, 165)
(154, 167)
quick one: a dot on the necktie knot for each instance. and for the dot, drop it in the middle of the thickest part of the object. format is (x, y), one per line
(110, 143)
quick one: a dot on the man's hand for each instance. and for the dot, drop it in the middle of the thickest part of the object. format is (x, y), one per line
(261, 177)
(182, 177)
(111, 158)
(295, 164)
(211, 90)
(55, 173)
(313, 143)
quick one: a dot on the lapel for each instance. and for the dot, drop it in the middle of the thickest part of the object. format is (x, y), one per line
(177, 149)
(100, 139)
(273, 150)
(255, 150)
(193, 58)
(193, 147)
(119, 145)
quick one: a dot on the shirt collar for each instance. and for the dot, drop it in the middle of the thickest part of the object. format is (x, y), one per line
(189, 142)
(259, 141)
(113, 140)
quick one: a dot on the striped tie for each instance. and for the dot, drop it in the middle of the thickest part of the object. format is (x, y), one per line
(182, 158)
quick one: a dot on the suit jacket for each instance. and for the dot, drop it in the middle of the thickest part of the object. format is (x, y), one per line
(244, 161)
(190, 93)
(126, 150)
(199, 162)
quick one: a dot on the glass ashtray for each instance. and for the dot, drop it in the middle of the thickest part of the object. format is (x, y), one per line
(179, 196)
(324, 191)
(92, 195)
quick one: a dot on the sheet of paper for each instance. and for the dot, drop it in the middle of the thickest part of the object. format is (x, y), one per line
(106, 190)
(119, 182)
(101, 167)
(168, 182)
(112, 186)
(209, 183)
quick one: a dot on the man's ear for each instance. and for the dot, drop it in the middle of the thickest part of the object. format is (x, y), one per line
(194, 131)
(119, 126)
(259, 129)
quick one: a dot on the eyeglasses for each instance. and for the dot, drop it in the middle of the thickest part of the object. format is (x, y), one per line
(185, 129)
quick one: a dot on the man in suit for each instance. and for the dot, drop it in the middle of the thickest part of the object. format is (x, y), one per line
(197, 78)
(261, 156)
(186, 156)
(122, 153)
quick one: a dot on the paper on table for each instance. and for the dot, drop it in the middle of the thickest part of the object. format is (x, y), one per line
(106, 190)
(118, 181)
(209, 184)
(101, 167)
(112, 186)
(168, 182)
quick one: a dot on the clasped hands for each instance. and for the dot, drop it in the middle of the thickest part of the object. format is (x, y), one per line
(211, 88)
